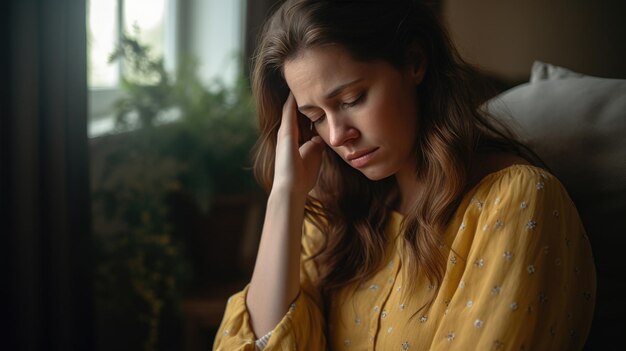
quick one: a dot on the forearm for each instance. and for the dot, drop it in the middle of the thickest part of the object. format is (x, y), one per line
(276, 279)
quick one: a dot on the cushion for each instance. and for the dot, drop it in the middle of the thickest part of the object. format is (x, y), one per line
(577, 125)
(546, 71)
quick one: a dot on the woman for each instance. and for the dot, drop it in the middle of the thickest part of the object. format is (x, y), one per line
(399, 217)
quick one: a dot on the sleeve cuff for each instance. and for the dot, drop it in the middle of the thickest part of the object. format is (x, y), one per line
(262, 342)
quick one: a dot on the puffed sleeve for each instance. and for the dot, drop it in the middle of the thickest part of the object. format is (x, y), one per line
(529, 277)
(302, 328)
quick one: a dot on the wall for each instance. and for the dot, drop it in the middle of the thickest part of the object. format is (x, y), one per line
(506, 36)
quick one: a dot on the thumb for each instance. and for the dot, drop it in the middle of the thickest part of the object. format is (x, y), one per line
(311, 153)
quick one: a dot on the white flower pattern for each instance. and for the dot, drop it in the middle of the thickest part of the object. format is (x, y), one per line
(499, 224)
(450, 336)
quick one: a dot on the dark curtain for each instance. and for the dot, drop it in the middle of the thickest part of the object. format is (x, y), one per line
(44, 195)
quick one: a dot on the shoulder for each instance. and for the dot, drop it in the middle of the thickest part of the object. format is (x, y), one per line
(518, 199)
(515, 202)
(520, 211)
(500, 176)
(515, 173)
(519, 182)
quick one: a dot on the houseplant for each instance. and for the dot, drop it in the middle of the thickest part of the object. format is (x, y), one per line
(160, 190)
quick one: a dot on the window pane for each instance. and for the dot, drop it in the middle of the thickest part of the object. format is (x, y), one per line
(103, 34)
(149, 17)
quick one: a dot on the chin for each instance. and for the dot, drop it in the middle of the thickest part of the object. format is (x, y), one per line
(375, 175)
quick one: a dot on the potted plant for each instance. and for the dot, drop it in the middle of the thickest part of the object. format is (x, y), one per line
(170, 198)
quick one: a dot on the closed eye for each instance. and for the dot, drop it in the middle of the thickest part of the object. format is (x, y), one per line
(352, 103)
(318, 119)
(313, 117)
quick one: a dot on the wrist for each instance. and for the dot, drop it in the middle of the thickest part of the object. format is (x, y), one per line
(288, 192)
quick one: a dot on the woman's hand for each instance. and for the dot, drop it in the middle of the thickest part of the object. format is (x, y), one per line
(275, 281)
(296, 167)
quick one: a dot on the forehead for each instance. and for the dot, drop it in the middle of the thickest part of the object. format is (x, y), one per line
(326, 58)
(315, 71)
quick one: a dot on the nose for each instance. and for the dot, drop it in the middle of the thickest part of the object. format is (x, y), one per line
(340, 132)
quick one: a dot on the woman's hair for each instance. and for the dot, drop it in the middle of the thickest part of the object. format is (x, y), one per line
(352, 211)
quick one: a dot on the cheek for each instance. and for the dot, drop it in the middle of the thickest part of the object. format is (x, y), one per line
(407, 111)
(400, 124)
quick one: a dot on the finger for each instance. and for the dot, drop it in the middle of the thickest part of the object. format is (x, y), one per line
(311, 153)
(288, 124)
(313, 145)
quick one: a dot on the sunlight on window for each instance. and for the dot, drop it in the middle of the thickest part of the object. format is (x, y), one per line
(103, 34)
(212, 32)
(148, 16)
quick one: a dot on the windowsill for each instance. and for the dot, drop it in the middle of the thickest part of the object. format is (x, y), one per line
(105, 124)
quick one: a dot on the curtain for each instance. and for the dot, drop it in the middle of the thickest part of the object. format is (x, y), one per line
(44, 194)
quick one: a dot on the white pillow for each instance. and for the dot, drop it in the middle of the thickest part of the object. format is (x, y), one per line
(546, 71)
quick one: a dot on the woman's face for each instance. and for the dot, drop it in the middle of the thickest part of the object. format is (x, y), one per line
(365, 111)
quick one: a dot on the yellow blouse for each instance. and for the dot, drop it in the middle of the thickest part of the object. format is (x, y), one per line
(519, 276)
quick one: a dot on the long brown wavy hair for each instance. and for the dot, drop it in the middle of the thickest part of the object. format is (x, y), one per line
(351, 210)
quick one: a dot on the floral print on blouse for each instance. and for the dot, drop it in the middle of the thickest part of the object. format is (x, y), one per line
(520, 276)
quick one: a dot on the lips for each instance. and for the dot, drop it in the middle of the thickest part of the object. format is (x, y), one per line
(361, 158)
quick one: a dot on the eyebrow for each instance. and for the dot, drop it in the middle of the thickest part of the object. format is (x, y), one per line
(333, 93)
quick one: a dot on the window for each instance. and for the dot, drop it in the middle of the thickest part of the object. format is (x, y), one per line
(103, 33)
(155, 21)
(210, 30)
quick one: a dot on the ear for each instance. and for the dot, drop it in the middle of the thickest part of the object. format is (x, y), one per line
(416, 64)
